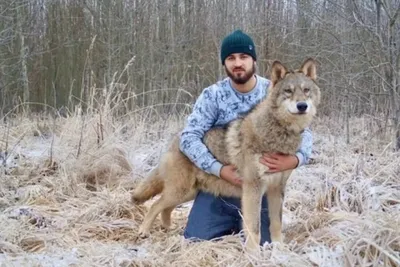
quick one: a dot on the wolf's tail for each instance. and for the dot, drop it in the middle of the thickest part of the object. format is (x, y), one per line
(148, 188)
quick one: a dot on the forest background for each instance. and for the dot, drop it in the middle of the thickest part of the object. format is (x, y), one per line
(161, 54)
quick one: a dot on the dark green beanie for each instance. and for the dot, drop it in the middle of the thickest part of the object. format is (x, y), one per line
(237, 42)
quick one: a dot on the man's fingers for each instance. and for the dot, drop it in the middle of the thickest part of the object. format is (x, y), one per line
(269, 164)
(264, 161)
(275, 162)
(270, 159)
(271, 156)
(238, 182)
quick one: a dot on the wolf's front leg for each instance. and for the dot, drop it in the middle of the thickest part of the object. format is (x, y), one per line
(275, 196)
(275, 213)
(251, 207)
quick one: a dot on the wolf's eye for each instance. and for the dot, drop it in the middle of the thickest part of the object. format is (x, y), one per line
(288, 91)
(306, 90)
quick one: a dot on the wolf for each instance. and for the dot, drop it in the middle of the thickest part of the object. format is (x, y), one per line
(272, 126)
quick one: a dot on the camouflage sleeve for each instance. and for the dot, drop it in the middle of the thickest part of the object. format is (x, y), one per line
(202, 118)
(305, 150)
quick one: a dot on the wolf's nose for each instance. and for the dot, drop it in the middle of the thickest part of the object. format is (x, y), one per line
(302, 106)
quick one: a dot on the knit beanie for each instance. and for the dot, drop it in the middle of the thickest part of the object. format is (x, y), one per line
(237, 42)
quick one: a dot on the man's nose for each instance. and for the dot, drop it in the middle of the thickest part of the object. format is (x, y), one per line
(238, 62)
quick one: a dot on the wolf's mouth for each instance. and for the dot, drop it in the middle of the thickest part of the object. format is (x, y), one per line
(298, 112)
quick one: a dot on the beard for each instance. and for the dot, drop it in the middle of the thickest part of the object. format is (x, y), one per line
(241, 77)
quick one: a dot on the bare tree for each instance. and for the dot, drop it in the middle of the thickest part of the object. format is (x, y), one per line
(68, 52)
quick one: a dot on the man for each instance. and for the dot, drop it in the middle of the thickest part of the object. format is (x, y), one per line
(212, 217)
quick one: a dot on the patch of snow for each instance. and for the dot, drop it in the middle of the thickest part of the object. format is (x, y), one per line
(8, 161)
(327, 257)
(26, 212)
(73, 257)
(36, 148)
(287, 218)
(373, 200)
(66, 258)
(33, 150)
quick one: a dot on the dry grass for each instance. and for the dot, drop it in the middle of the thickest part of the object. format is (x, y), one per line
(67, 202)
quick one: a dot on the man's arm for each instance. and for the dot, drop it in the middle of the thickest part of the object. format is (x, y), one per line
(304, 152)
(202, 119)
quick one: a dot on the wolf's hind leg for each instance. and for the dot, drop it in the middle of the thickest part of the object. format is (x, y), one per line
(165, 202)
(166, 217)
(151, 215)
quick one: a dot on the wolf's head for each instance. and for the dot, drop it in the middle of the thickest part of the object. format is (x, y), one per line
(294, 95)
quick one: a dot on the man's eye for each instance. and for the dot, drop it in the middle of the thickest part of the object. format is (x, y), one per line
(306, 90)
(288, 91)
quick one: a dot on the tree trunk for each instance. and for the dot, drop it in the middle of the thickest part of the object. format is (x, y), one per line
(23, 55)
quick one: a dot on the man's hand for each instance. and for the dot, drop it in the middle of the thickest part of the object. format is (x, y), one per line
(279, 162)
(228, 173)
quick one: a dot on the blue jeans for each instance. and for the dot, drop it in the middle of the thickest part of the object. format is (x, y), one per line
(212, 217)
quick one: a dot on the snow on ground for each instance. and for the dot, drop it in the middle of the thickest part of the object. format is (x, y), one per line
(342, 209)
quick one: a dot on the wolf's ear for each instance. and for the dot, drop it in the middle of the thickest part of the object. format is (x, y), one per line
(278, 72)
(309, 68)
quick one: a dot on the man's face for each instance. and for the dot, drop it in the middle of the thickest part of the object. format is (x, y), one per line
(239, 67)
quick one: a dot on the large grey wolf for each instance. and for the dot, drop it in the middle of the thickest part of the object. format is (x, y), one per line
(274, 125)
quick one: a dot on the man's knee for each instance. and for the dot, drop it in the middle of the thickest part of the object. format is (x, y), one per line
(207, 219)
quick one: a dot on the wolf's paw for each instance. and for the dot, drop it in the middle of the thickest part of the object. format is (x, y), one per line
(143, 233)
(165, 228)
(277, 241)
(252, 246)
(278, 245)
(253, 250)
(278, 238)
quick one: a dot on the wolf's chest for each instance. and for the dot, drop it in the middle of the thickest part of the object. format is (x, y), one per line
(277, 143)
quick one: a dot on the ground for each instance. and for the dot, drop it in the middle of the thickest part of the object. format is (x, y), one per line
(65, 198)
